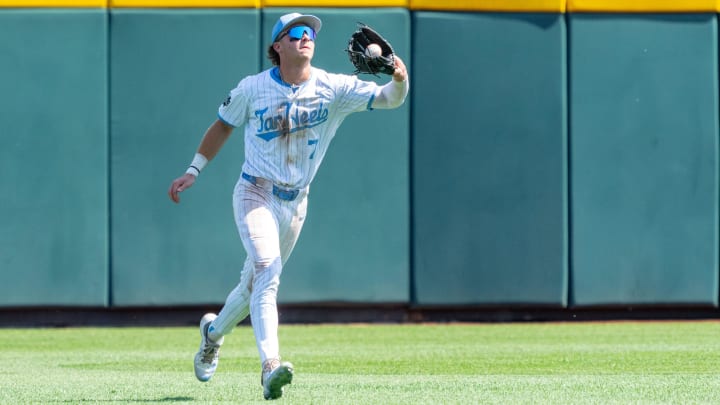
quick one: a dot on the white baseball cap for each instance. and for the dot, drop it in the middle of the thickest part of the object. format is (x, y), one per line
(292, 18)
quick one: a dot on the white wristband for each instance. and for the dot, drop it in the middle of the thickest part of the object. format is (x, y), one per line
(198, 163)
(192, 170)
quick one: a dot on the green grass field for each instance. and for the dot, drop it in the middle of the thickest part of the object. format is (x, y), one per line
(538, 363)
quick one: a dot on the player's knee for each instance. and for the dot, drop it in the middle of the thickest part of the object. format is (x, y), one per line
(264, 265)
(265, 284)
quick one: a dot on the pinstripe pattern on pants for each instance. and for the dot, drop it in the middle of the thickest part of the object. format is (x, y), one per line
(269, 228)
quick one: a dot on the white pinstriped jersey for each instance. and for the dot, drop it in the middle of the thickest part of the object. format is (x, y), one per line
(288, 129)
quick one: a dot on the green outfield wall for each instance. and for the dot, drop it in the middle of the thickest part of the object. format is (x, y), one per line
(644, 125)
(53, 156)
(551, 154)
(170, 72)
(488, 161)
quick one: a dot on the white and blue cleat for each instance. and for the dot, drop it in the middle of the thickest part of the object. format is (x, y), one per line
(208, 356)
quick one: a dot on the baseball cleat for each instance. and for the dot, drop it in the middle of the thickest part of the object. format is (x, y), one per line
(275, 376)
(208, 356)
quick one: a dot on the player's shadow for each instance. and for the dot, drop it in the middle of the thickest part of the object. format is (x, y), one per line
(150, 401)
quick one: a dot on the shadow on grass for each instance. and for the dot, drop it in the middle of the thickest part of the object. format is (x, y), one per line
(140, 401)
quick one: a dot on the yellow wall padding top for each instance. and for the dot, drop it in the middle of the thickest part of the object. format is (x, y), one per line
(334, 3)
(642, 6)
(185, 3)
(54, 3)
(490, 5)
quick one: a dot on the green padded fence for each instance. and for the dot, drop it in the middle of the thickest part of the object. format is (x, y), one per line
(53, 158)
(542, 159)
(644, 163)
(171, 69)
(489, 158)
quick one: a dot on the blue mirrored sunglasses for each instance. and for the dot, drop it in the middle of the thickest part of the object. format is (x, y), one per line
(296, 33)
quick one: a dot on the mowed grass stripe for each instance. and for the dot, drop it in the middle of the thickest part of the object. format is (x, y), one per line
(603, 363)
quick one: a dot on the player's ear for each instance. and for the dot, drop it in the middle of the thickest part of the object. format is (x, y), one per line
(276, 46)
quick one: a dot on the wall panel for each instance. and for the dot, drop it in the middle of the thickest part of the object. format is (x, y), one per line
(644, 128)
(171, 69)
(53, 158)
(489, 161)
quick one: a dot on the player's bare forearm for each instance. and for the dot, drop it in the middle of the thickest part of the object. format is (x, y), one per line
(214, 139)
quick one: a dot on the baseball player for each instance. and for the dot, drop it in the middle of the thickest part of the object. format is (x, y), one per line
(288, 115)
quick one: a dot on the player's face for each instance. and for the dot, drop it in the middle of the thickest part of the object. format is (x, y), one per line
(297, 43)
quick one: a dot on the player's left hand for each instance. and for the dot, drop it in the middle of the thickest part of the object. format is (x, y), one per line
(179, 185)
(400, 73)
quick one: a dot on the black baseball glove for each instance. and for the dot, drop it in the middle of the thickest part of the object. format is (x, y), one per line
(362, 59)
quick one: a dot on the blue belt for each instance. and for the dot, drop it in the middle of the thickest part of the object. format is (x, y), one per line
(281, 193)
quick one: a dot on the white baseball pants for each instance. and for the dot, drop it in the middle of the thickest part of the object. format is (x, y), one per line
(269, 228)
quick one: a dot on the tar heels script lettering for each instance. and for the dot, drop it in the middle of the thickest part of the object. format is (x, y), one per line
(288, 119)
